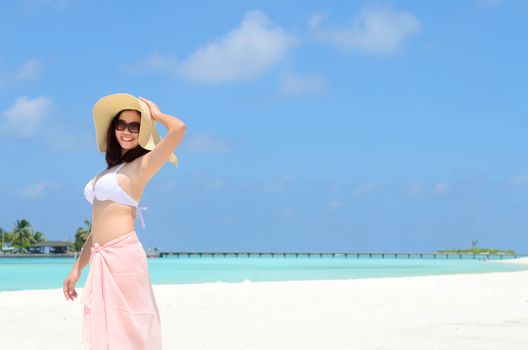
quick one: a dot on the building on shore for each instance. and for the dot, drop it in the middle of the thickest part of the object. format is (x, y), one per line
(51, 247)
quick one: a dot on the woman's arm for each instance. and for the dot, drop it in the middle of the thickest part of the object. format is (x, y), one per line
(84, 258)
(68, 287)
(152, 162)
(170, 122)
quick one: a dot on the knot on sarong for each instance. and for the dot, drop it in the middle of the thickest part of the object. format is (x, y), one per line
(96, 248)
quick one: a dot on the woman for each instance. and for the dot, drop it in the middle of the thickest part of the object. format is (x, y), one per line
(120, 310)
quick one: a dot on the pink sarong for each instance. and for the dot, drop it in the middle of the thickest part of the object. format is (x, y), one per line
(120, 310)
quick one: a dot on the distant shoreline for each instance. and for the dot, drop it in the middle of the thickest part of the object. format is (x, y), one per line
(284, 254)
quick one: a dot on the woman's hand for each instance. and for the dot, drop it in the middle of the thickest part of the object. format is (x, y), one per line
(154, 109)
(69, 285)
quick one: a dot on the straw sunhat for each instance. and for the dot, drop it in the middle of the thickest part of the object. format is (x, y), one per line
(106, 108)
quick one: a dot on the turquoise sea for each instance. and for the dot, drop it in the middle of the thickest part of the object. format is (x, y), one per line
(43, 273)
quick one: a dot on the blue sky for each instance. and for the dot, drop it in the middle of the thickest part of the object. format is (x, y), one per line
(312, 126)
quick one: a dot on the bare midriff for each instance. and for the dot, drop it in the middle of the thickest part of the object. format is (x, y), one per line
(111, 220)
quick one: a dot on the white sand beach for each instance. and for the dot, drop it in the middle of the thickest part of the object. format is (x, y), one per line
(471, 311)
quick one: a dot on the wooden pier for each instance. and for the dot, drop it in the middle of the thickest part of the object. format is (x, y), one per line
(338, 255)
(153, 254)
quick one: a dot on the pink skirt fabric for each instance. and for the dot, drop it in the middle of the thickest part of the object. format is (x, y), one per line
(120, 310)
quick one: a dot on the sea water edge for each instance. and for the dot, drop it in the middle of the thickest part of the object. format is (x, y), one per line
(46, 273)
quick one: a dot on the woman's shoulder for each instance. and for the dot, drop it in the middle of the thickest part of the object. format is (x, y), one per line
(134, 170)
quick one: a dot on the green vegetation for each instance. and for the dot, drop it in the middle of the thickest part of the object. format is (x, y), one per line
(475, 250)
(23, 235)
(81, 235)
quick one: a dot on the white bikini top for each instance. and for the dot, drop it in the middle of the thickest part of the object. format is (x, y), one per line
(107, 188)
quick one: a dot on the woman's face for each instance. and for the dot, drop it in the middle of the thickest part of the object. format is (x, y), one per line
(127, 139)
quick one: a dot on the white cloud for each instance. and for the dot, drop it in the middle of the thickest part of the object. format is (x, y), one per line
(365, 188)
(334, 187)
(36, 189)
(57, 141)
(244, 183)
(245, 52)
(287, 210)
(519, 180)
(290, 84)
(488, 3)
(55, 4)
(154, 62)
(315, 20)
(278, 185)
(215, 184)
(29, 70)
(441, 188)
(205, 143)
(26, 71)
(335, 204)
(25, 116)
(377, 29)
(286, 178)
(415, 188)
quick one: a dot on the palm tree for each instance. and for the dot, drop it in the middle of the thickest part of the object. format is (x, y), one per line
(8, 237)
(81, 236)
(3, 233)
(39, 237)
(22, 234)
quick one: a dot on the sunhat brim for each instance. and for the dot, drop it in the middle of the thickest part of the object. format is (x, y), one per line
(106, 108)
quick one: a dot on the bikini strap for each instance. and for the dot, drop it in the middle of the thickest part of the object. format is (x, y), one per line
(140, 215)
(119, 167)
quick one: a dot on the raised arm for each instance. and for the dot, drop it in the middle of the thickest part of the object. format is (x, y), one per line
(152, 162)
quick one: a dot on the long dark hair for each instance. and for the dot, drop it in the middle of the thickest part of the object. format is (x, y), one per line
(113, 148)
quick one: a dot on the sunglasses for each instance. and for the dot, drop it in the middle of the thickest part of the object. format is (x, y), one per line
(132, 127)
